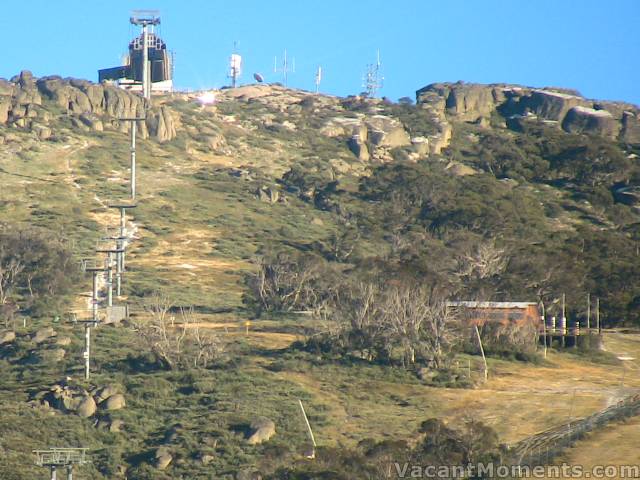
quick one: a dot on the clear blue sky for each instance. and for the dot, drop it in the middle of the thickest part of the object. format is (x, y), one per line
(590, 45)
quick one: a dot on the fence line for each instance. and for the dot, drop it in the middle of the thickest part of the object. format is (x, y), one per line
(543, 447)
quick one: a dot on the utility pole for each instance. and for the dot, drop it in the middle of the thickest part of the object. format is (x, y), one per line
(544, 329)
(132, 149)
(563, 321)
(286, 67)
(598, 326)
(588, 312)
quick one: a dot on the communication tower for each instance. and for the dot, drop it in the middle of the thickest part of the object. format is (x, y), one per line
(318, 78)
(235, 67)
(373, 79)
(286, 68)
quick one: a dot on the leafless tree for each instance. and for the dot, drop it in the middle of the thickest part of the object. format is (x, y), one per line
(360, 315)
(205, 344)
(405, 311)
(176, 345)
(482, 261)
(10, 269)
(376, 322)
(158, 306)
(163, 341)
(287, 283)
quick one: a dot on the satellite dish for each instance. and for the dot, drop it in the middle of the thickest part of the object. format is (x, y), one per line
(259, 78)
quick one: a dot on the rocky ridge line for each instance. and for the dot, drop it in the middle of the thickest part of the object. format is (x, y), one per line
(33, 104)
(516, 105)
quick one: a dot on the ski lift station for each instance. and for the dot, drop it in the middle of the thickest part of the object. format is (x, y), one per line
(147, 49)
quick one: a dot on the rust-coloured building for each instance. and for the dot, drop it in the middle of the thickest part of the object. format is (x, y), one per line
(504, 313)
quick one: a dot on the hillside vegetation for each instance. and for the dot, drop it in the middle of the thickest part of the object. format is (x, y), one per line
(262, 222)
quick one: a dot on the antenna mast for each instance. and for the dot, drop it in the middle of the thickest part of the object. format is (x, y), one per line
(286, 67)
(235, 66)
(318, 78)
(373, 79)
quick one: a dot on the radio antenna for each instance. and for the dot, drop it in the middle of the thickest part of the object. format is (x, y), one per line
(286, 67)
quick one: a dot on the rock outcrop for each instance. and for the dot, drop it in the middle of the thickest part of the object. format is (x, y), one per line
(262, 429)
(7, 337)
(162, 459)
(483, 104)
(43, 334)
(87, 407)
(29, 103)
(114, 402)
(588, 120)
(630, 127)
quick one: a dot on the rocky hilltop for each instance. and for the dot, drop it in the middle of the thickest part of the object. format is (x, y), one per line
(30, 103)
(502, 105)
(372, 129)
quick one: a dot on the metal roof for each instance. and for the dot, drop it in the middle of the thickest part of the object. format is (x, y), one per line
(471, 304)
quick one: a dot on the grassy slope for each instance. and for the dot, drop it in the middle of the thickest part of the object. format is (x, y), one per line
(199, 228)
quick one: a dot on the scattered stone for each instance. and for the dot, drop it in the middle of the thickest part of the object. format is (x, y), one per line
(206, 459)
(216, 141)
(43, 334)
(87, 407)
(460, 170)
(248, 475)
(116, 426)
(268, 195)
(262, 430)
(42, 132)
(420, 145)
(114, 402)
(172, 434)
(426, 374)
(92, 121)
(63, 341)
(7, 337)
(53, 355)
(163, 459)
(106, 392)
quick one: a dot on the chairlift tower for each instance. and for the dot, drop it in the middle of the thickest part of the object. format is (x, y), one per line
(373, 79)
(132, 149)
(93, 321)
(119, 251)
(122, 207)
(144, 19)
(55, 458)
(286, 67)
(109, 264)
